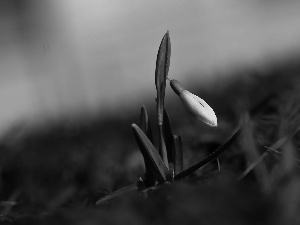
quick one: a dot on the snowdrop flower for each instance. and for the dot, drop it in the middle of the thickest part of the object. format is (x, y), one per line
(195, 105)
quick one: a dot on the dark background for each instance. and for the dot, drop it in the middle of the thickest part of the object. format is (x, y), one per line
(75, 74)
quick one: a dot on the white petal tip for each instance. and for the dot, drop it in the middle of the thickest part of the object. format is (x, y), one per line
(210, 120)
(213, 124)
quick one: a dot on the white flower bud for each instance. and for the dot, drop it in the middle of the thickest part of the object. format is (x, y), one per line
(195, 105)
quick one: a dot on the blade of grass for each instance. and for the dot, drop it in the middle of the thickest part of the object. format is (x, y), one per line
(210, 157)
(273, 148)
(168, 135)
(146, 128)
(280, 153)
(253, 165)
(150, 154)
(253, 155)
(219, 165)
(161, 73)
(145, 123)
(162, 146)
(281, 142)
(122, 191)
(178, 155)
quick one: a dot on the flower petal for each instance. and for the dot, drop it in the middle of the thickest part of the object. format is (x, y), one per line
(199, 108)
(210, 112)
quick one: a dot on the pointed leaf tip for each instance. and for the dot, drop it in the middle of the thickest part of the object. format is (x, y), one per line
(161, 73)
(144, 119)
(162, 69)
(163, 60)
(150, 154)
(145, 123)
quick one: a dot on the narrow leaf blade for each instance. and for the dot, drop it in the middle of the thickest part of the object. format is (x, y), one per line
(146, 128)
(178, 155)
(162, 66)
(145, 123)
(161, 73)
(120, 192)
(167, 127)
(150, 154)
(210, 157)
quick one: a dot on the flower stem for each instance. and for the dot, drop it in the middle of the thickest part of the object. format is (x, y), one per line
(210, 157)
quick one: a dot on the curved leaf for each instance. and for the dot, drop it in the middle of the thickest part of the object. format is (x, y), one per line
(210, 157)
(133, 188)
(145, 123)
(168, 136)
(161, 73)
(146, 128)
(150, 154)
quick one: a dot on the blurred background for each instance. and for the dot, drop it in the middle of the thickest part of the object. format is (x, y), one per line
(90, 58)
(79, 71)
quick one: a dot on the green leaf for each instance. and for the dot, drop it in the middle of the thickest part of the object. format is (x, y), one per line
(133, 188)
(146, 128)
(210, 157)
(161, 73)
(168, 134)
(145, 123)
(150, 154)
(178, 155)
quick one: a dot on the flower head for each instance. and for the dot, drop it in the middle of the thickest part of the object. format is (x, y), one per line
(195, 105)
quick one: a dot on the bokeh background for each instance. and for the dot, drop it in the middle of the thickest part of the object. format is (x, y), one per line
(97, 58)
(73, 77)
